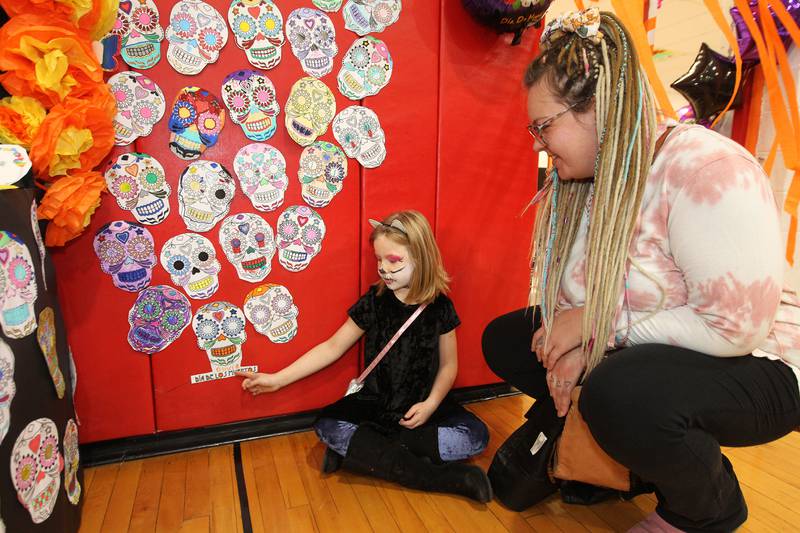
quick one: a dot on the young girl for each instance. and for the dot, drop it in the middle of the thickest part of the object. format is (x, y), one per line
(401, 426)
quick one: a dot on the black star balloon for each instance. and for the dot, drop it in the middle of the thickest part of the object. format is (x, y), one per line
(709, 83)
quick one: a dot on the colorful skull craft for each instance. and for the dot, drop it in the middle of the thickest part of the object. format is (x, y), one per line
(205, 193)
(309, 110)
(157, 318)
(138, 182)
(37, 236)
(7, 387)
(313, 39)
(35, 467)
(299, 239)
(71, 462)
(17, 287)
(140, 104)
(370, 16)
(219, 327)
(270, 308)
(261, 170)
(252, 103)
(140, 33)
(126, 253)
(249, 244)
(192, 264)
(358, 131)
(46, 336)
(366, 68)
(196, 34)
(258, 29)
(328, 5)
(195, 123)
(323, 168)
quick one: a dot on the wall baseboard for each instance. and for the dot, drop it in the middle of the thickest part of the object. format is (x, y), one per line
(130, 448)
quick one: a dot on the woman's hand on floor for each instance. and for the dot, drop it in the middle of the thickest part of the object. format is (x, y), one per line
(418, 414)
(563, 377)
(565, 336)
(257, 383)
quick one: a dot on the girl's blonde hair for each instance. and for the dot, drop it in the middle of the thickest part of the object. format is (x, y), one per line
(605, 73)
(429, 278)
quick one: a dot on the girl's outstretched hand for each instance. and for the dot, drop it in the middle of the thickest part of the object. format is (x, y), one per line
(257, 383)
(418, 414)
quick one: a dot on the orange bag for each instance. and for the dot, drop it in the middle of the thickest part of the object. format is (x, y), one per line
(578, 457)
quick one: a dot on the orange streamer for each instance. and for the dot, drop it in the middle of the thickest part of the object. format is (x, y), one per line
(716, 12)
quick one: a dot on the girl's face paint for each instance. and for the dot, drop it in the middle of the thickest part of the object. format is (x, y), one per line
(395, 266)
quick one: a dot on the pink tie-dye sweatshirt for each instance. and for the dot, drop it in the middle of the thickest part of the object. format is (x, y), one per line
(705, 268)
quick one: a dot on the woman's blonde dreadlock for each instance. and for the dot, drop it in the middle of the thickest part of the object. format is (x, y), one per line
(607, 69)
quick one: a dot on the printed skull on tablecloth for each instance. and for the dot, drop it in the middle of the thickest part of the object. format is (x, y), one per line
(18, 291)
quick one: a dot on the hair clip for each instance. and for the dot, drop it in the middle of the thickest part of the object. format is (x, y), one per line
(396, 224)
(585, 24)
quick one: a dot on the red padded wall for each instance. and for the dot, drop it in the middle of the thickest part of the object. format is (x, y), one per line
(457, 151)
(486, 176)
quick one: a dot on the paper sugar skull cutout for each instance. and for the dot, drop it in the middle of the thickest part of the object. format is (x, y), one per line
(205, 193)
(46, 335)
(261, 170)
(252, 103)
(192, 264)
(309, 110)
(300, 233)
(139, 184)
(18, 289)
(71, 462)
(313, 39)
(158, 317)
(258, 29)
(36, 466)
(7, 387)
(140, 104)
(366, 68)
(219, 327)
(271, 309)
(249, 244)
(140, 33)
(195, 123)
(370, 16)
(127, 253)
(360, 135)
(14, 163)
(328, 5)
(196, 33)
(323, 168)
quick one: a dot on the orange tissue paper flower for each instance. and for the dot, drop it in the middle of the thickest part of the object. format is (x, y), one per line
(95, 16)
(20, 118)
(47, 60)
(69, 204)
(77, 134)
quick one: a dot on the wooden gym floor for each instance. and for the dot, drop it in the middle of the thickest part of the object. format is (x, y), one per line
(198, 492)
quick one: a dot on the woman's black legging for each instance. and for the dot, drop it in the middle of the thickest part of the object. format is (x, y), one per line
(664, 412)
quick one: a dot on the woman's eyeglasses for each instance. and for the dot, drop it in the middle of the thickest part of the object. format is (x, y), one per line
(537, 130)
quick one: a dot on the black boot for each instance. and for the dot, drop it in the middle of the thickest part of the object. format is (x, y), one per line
(331, 462)
(374, 454)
